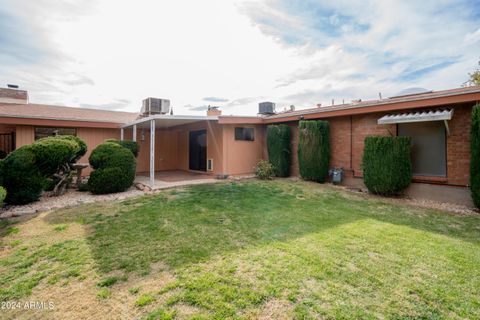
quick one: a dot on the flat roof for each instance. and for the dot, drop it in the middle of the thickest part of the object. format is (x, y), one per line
(421, 100)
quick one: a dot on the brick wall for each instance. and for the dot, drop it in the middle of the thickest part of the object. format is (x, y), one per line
(341, 143)
(458, 147)
(362, 127)
(347, 136)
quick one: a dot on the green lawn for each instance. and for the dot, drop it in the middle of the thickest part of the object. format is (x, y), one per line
(271, 250)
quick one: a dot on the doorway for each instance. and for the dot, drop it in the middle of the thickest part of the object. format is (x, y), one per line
(197, 150)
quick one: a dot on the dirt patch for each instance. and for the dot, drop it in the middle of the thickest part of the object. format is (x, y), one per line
(277, 309)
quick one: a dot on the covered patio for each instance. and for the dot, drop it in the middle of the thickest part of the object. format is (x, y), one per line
(173, 178)
(165, 148)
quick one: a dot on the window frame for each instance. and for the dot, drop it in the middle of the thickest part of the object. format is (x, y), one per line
(243, 136)
(445, 155)
(35, 138)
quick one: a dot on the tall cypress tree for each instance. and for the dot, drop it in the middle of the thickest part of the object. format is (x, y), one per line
(314, 150)
(475, 155)
(279, 148)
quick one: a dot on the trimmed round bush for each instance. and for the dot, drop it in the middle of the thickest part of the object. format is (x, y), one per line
(3, 154)
(475, 156)
(29, 169)
(314, 150)
(387, 164)
(82, 145)
(279, 148)
(52, 152)
(21, 176)
(130, 145)
(114, 169)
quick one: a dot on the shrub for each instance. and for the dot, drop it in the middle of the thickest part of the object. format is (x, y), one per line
(3, 194)
(48, 184)
(314, 150)
(130, 145)
(29, 169)
(3, 154)
(82, 145)
(83, 187)
(114, 168)
(279, 148)
(53, 152)
(21, 176)
(387, 164)
(475, 155)
(264, 170)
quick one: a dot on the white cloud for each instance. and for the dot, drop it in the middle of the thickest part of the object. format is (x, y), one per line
(113, 54)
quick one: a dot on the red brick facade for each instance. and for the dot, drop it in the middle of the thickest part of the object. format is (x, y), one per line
(347, 135)
(458, 147)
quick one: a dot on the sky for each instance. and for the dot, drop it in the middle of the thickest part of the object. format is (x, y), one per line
(109, 54)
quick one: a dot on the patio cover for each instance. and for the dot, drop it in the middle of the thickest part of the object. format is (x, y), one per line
(159, 121)
(421, 116)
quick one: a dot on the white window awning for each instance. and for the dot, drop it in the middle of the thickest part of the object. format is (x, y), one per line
(421, 116)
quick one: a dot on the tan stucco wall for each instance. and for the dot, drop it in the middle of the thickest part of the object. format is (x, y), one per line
(240, 157)
(214, 144)
(23, 135)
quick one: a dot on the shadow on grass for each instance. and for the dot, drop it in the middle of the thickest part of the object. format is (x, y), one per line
(185, 226)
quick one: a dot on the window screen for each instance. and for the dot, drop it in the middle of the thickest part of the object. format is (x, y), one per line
(42, 132)
(428, 147)
(245, 134)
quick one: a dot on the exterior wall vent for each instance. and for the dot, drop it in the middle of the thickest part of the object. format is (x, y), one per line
(155, 106)
(210, 164)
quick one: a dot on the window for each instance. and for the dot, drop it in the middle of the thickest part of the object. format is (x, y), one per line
(42, 132)
(428, 147)
(245, 134)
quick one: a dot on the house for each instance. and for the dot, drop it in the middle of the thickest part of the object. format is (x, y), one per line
(437, 121)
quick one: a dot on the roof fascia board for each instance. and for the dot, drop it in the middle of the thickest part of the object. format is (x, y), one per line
(355, 110)
(169, 117)
(57, 122)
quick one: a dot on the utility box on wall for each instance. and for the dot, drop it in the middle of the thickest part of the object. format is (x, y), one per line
(337, 175)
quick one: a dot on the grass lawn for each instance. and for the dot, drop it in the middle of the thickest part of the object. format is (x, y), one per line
(244, 250)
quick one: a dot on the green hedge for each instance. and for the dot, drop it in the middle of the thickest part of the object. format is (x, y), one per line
(22, 177)
(279, 148)
(475, 155)
(387, 164)
(130, 145)
(114, 169)
(314, 150)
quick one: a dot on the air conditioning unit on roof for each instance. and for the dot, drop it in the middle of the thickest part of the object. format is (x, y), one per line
(155, 106)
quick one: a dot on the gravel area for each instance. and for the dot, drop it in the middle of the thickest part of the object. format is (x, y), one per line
(423, 203)
(70, 198)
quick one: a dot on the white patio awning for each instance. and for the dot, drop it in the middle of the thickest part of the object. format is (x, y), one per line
(160, 121)
(421, 116)
(166, 121)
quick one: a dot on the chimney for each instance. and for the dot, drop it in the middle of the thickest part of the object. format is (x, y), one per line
(213, 111)
(13, 95)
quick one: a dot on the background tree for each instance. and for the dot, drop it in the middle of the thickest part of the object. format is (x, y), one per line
(474, 78)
